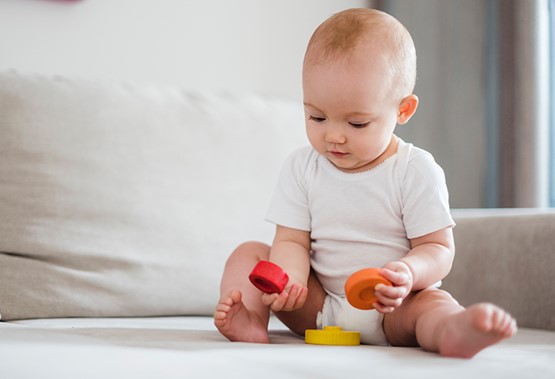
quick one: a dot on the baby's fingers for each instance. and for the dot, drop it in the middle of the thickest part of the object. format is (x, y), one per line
(297, 297)
(388, 298)
(270, 299)
(383, 308)
(383, 291)
(290, 299)
(397, 278)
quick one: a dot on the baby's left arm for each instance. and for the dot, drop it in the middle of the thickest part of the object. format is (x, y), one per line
(428, 262)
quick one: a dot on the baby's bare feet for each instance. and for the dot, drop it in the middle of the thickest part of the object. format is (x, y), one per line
(477, 327)
(237, 323)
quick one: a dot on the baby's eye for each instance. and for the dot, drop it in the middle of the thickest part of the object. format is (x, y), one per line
(317, 119)
(359, 125)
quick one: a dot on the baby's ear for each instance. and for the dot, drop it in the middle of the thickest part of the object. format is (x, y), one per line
(407, 107)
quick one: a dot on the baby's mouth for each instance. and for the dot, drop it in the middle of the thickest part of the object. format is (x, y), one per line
(338, 154)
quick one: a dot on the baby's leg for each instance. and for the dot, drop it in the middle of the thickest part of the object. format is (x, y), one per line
(240, 314)
(434, 320)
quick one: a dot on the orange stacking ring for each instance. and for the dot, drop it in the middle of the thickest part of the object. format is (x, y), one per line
(359, 287)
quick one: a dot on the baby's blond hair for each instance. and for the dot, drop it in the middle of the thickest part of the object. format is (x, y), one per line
(340, 35)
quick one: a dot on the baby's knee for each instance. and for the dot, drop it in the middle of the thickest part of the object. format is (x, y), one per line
(433, 295)
(251, 250)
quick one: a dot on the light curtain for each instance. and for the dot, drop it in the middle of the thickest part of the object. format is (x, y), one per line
(519, 141)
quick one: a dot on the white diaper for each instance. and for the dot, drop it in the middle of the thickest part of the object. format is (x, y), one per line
(338, 312)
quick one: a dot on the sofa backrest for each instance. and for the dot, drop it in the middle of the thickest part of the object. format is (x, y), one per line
(506, 256)
(125, 200)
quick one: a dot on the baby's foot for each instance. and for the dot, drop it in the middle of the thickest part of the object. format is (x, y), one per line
(477, 327)
(237, 323)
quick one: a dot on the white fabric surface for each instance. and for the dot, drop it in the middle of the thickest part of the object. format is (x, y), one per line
(190, 347)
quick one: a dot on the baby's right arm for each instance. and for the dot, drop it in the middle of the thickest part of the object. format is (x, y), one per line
(291, 251)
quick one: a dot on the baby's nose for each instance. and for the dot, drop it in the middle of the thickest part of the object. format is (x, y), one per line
(335, 135)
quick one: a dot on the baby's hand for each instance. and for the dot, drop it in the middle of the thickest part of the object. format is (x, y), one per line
(391, 297)
(291, 298)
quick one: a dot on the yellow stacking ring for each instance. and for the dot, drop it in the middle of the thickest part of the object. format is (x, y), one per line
(332, 335)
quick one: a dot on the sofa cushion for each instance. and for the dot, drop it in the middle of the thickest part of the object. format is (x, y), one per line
(125, 200)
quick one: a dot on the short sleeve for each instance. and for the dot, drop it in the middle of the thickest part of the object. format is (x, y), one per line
(289, 204)
(425, 196)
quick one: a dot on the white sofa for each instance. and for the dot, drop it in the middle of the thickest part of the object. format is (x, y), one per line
(120, 203)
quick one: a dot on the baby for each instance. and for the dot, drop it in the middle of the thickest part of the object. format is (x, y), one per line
(359, 197)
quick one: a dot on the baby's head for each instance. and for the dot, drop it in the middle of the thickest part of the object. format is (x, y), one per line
(358, 76)
(367, 34)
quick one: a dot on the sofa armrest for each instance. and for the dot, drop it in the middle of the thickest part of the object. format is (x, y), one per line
(506, 256)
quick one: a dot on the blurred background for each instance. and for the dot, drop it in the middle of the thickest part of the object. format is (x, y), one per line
(485, 76)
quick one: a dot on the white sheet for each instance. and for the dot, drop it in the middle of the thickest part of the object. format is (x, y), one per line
(190, 347)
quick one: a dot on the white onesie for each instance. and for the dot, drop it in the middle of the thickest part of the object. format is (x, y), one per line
(359, 220)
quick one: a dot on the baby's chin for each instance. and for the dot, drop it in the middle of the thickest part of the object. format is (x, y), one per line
(351, 167)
